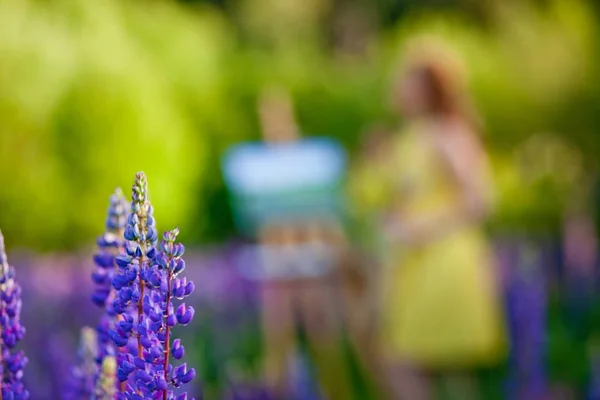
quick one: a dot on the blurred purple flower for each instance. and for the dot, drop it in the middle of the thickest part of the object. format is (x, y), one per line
(525, 297)
(110, 244)
(12, 331)
(54, 318)
(81, 383)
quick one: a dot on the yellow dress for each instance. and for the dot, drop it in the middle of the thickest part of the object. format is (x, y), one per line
(441, 306)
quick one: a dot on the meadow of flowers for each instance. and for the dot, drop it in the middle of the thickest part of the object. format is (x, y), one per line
(139, 338)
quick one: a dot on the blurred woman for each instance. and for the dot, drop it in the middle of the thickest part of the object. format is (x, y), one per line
(441, 311)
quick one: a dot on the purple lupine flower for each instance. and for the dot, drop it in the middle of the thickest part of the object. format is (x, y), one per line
(81, 384)
(130, 284)
(526, 298)
(12, 363)
(155, 374)
(110, 244)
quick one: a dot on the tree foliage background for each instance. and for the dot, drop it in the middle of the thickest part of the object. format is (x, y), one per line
(91, 92)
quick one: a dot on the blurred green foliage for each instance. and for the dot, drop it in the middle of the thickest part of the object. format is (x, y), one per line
(91, 92)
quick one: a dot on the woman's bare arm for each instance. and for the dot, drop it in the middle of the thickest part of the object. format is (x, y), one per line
(469, 166)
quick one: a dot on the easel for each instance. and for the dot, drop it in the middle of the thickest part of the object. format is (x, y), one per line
(299, 253)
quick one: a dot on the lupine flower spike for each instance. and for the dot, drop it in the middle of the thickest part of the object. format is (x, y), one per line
(156, 370)
(148, 282)
(110, 244)
(130, 283)
(12, 331)
(82, 383)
